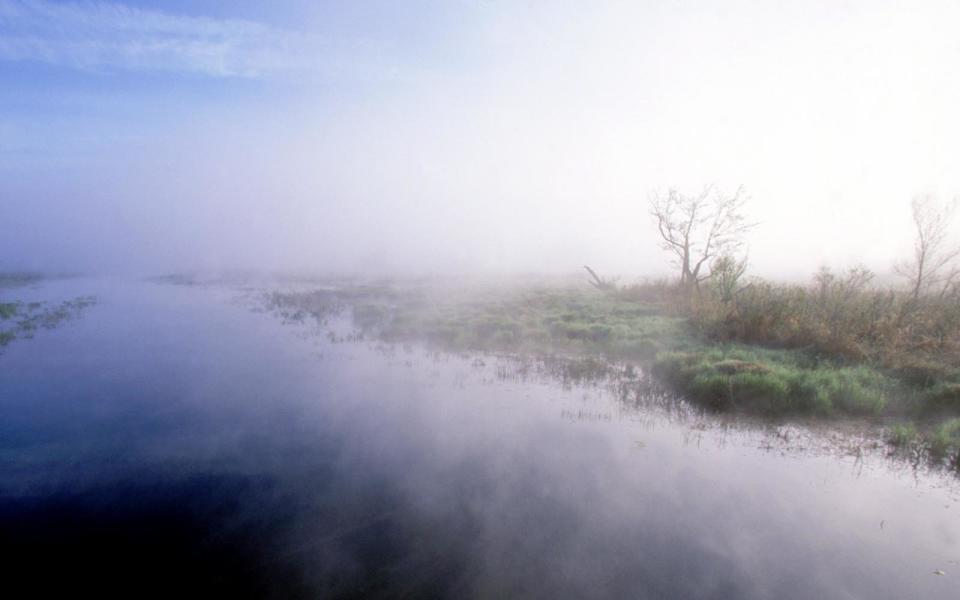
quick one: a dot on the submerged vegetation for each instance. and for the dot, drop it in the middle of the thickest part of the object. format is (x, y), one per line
(21, 320)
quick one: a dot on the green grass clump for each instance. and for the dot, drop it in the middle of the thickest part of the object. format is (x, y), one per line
(771, 382)
(8, 309)
(942, 441)
(852, 390)
(26, 318)
(902, 435)
(942, 397)
(945, 439)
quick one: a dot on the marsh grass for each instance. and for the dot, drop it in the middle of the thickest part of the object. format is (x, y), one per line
(841, 317)
(838, 344)
(539, 320)
(579, 336)
(943, 397)
(610, 326)
(648, 326)
(8, 310)
(903, 435)
(21, 320)
(774, 382)
(938, 442)
(944, 441)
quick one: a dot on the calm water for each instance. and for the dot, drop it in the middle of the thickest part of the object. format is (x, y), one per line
(174, 442)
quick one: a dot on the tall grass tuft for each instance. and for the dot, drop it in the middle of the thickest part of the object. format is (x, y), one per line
(772, 382)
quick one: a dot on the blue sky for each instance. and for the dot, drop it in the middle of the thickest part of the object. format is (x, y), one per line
(91, 92)
(130, 69)
(464, 134)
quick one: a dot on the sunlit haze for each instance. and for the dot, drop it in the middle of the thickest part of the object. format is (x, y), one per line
(470, 136)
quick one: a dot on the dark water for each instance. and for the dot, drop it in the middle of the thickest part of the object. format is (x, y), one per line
(172, 442)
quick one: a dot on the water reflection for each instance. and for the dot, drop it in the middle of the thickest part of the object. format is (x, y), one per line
(195, 447)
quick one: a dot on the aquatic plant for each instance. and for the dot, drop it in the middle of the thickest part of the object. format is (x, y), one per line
(902, 435)
(772, 382)
(8, 310)
(24, 319)
(944, 441)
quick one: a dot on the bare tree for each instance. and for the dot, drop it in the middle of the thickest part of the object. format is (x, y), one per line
(932, 268)
(698, 229)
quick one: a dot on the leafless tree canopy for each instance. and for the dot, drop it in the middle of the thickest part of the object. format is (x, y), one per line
(932, 268)
(698, 229)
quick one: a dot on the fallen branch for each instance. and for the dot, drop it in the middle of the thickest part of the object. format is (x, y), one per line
(606, 285)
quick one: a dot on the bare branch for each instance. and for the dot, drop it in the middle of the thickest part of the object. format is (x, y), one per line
(933, 262)
(599, 282)
(697, 229)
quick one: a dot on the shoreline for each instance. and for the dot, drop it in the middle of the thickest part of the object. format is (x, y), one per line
(598, 330)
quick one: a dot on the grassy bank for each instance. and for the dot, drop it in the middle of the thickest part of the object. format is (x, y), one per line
(542, 320)
(547, 320)
(579, 321)
(693, 346)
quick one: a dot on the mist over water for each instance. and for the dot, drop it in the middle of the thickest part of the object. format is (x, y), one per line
(293, 300)
(179, 439)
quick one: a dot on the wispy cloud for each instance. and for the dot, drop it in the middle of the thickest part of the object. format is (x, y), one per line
(110, 36)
